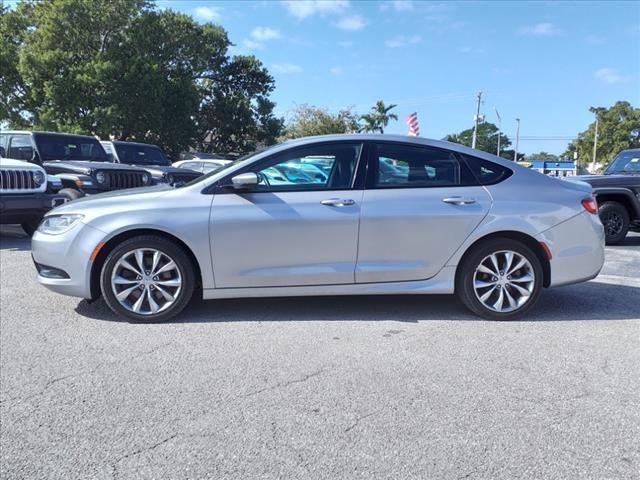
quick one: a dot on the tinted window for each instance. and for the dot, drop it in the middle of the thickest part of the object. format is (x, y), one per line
(301, 169)
(409, 166)
(628, 161)
(141, 155)
(20, 147)
(69, 147)
(487, 173)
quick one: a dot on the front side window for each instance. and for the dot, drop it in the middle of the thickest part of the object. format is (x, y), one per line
(321, 167)
(141, 155)
(409, 166)
(69, 147)
(20, 147)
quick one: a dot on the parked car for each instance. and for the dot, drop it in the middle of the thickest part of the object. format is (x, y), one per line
(149, 157)
(25, 193)
(203, 165)
(79, 161)
(459, 220)
(617, 191)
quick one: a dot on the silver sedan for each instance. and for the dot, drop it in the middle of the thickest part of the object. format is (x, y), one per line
(389, 215)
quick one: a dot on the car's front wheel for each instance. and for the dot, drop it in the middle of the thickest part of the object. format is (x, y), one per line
(147, 279)
(500, 279)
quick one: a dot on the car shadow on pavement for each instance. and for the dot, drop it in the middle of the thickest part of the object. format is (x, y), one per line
(12, 237)
(589, 301)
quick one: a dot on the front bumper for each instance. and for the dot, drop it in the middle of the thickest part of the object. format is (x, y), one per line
(577, 249)
(69, 252)
(18, 208)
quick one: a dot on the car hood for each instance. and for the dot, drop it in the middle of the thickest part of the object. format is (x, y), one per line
(159, 170)
(112, 200)
(612, 180)
(79, 166)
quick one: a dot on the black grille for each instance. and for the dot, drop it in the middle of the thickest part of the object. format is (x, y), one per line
(118, 180)
(17, 180)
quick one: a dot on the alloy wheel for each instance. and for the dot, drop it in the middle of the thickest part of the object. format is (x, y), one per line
(613, 223)
(504, 281)
(146, 281)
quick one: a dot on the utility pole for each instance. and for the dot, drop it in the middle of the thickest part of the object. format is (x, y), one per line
(595, 141)
(475, 126)
(499, 129)
(515, 155)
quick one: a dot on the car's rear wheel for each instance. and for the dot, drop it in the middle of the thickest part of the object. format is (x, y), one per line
(500, 279)
(615, 219)
(147, 279)
(30, 226)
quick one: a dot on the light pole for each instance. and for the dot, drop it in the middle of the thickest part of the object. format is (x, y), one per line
(477, 119)
(499, 129)
(595, 141)
(515, 155)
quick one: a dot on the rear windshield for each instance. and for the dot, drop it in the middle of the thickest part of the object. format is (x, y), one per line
(69, 147)
(141, 155)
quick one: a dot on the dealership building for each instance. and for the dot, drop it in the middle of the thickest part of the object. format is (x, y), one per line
(561, 168)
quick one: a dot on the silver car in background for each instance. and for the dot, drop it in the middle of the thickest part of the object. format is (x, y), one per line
(393, 215)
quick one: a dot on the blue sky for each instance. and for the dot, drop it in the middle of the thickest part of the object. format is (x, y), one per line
(545, 62)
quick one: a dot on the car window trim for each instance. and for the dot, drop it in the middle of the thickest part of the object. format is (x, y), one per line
(219, 187)
(373, 157)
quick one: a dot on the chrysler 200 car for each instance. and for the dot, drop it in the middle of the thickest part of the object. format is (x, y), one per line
(446, 219)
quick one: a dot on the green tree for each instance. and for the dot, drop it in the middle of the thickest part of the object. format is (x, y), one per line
(618, 129)
(308, 120)
(543, 156)
(487, 140)
(378, 118)
(122, 69)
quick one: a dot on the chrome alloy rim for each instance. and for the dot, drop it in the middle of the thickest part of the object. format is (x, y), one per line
(504, 281)
(146, 281)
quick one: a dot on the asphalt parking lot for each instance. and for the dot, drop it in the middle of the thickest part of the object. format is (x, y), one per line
(333, 387)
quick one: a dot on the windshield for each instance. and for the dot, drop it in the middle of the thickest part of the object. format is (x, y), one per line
(69, 147)
(625, 162)
(207, 156)
(229, 165)
(141, 155)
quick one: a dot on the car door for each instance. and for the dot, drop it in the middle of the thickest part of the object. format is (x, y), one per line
(419, 205)
(291, 229)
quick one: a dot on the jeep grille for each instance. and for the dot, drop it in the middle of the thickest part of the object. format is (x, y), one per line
(17, 180)
(118, 180)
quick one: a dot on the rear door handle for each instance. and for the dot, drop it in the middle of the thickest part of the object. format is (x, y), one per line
(338, 202)
(459, 200)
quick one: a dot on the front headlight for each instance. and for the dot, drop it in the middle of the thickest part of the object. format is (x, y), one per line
(101, 177)
(146, 178)
(55, 224)
(38, 178)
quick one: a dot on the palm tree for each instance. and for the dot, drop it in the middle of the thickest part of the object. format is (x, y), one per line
(378, 118)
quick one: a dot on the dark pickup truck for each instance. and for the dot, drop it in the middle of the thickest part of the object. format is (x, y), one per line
(79, 161)
(617, 191)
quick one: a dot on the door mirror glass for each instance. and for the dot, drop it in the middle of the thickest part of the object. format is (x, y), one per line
(245, 181)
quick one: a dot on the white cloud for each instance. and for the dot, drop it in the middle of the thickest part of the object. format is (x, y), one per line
(402, 41)
(263, 34)
(336, 70)
(286, 68)
(207, 14)
(307, 8)
(353, 23)
(541, 30)
(611, 76)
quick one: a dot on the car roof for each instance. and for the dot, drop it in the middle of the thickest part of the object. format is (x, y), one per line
(122, 142)
(60, 134)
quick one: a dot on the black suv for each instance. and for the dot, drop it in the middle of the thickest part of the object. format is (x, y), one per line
(618, 194)
(151, 158)
(79, 161)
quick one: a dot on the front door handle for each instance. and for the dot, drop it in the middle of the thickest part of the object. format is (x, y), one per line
(338, 202)
(459, 200)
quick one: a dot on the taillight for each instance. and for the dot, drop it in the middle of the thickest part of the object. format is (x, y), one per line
(590, 205)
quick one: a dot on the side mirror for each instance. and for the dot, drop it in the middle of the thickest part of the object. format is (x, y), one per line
(245, 181)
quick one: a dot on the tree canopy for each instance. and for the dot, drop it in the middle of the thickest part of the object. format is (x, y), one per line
(123, 69)
(487, 139)
(618, 129)
(543, 156)
(378, 118)
(308, 120)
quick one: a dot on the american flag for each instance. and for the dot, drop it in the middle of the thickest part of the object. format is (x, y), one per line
(412, 123)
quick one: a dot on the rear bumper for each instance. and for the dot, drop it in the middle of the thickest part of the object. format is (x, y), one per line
(23, 207)
(577, 249)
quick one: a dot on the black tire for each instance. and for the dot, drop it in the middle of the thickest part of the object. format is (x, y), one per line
(70, 194)
(467, 270)
(166, 246)
(30, 226)
(615, 218)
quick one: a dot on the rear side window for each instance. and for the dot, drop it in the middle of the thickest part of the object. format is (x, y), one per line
(486, 172)
(410, 166)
